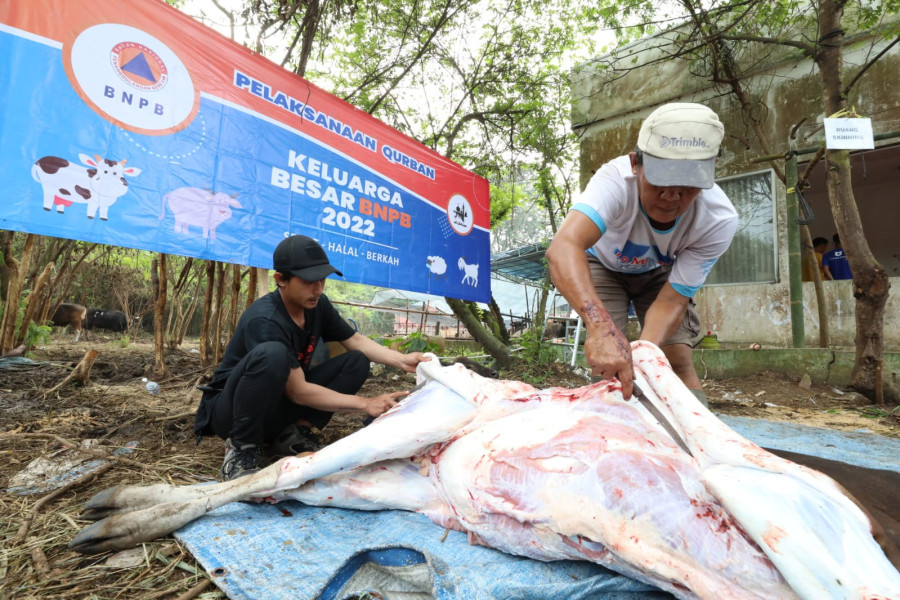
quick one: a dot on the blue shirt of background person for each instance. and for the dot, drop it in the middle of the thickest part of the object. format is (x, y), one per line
(834, 262)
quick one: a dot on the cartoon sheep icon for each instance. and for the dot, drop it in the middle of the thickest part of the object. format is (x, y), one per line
(437, 266)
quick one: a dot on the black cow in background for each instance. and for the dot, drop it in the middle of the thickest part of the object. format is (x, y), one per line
(104, 318)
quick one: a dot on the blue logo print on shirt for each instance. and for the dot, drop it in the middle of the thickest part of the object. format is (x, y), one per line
(639, 258)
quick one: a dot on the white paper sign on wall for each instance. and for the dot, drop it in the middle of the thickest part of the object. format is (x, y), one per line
(849, 134)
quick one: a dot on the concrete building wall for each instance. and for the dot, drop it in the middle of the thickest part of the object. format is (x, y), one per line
(761, 313)
(614, 94)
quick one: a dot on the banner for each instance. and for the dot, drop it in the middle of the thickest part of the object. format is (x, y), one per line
(129, 123)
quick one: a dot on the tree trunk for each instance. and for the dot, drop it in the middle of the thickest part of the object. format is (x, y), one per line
(36, 300)
(67, 271)
(251, 287)
(220, 313)
(175, 308)
(491, 344)
(205, 350)
(235, 298)
(159, 322)
(16, 270)
(262, 284)
(189, 313)
(500, 330)
(870, 282)
(809, 255)
(6, 241)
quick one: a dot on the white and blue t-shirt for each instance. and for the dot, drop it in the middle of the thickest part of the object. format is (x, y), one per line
(630, 244)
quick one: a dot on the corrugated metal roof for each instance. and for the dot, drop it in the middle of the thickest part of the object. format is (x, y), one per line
(523, 263)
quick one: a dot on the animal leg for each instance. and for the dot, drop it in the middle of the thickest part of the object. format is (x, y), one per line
(377, 487)
(800, 518)
(131, 528)
(430, 415)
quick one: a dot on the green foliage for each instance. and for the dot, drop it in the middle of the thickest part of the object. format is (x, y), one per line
(503, 199)
(117, 276)
(37, 334)
(416, 342)
(497, 104)
(124, 341)
(534, 350)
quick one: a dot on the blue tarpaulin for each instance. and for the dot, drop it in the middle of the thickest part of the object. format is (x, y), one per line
(860, 448)
(296, 552)
(293, 552)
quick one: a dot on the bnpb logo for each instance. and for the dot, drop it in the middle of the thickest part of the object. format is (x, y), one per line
(132, 79)
(139, 66)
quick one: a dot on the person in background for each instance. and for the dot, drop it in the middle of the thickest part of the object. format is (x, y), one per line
(819, 246)
(647, 228)
(834, 262)
(265, 395)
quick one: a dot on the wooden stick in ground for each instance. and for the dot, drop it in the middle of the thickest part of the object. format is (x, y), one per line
(81, 373)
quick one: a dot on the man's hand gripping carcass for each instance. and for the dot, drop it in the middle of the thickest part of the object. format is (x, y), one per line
(566, 474)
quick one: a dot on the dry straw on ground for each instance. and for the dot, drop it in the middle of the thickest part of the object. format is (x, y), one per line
(115, 409)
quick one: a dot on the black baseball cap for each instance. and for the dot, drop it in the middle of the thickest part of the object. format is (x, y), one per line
(303, 257)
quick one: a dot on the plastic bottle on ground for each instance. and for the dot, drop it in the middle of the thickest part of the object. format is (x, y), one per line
(151, 386)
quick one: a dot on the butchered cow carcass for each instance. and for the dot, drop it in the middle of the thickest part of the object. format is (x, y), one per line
(566, 474)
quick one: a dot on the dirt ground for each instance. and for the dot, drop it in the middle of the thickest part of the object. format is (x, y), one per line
(115, 409)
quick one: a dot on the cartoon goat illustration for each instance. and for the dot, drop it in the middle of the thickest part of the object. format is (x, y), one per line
(470, 272)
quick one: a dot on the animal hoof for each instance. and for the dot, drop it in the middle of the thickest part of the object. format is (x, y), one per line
(93, 539)
(101, 505)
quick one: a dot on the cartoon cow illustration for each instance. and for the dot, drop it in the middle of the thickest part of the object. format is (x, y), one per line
(201, 208)
(98, 185)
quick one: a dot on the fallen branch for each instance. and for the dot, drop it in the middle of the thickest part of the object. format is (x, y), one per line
(189, 413)
(81, 373)
(191, 593)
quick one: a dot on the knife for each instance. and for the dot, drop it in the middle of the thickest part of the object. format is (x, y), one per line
(670, 429)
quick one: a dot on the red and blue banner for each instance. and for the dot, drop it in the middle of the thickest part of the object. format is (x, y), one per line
(129, 123)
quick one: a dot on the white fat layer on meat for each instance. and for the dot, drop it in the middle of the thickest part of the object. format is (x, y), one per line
(529, 483)
(819, 549)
